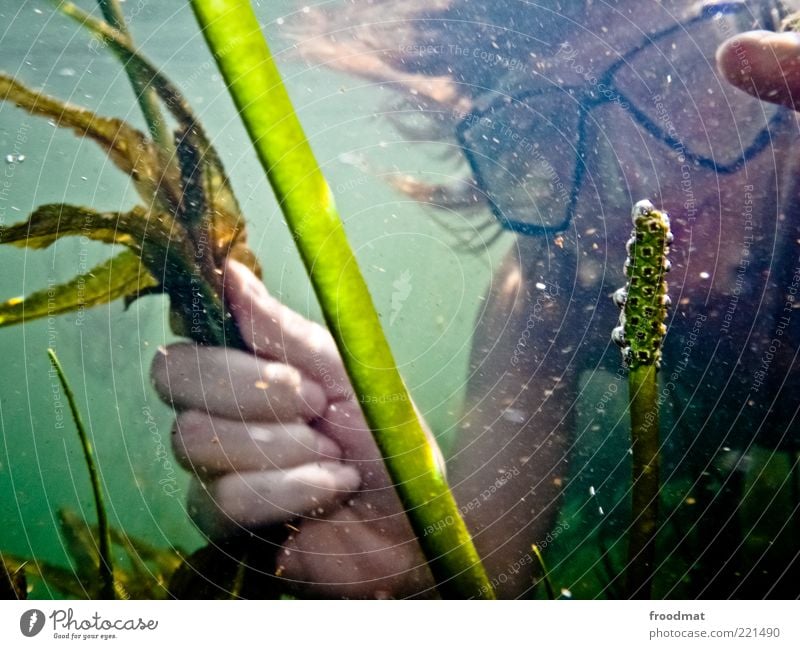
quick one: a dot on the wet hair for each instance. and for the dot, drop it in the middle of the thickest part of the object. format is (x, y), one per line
(439, 56)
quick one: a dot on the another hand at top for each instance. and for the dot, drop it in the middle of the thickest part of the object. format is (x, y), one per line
(764, 64)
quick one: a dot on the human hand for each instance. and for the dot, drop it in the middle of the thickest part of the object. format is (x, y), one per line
(277, 436)
(764, 64)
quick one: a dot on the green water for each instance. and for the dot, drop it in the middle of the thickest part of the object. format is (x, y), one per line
(107, 351)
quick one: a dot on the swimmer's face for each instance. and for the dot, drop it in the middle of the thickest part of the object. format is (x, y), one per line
(628, 105)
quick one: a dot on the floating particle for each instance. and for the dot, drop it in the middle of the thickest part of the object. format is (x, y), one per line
(566, 593)
(541, 286)
(592, 492)
(67, 72)
(601, 511)
(515, 416)
(280, 21)
(704, 275)
(14, 158)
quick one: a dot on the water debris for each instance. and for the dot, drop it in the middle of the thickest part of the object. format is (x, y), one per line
(15, 158)
(592, 492)
(354, 159)
(515, 416)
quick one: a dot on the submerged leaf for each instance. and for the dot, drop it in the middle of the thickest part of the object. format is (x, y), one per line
(141, 571)
(13, 584)
(80, 544)
(163, 246)
(138, 229)
(227, 235)
(129, 149)
(121, 276)
(64, 580)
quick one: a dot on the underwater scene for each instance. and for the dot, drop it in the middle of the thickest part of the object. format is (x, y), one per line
(387, 300)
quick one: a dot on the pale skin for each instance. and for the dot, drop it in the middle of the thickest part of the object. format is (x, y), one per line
(273, 437)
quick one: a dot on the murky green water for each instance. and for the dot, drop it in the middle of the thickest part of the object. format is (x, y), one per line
(427, 287)
(107, 351)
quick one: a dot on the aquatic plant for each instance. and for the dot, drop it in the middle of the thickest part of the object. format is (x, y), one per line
(190, 223)
(232, 32)
(141, 571)
(179, 238)
(106, 569)
(147, 569)
(640, 333)
(548, 584)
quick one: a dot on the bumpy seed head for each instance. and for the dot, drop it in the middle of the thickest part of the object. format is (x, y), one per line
(644, 300)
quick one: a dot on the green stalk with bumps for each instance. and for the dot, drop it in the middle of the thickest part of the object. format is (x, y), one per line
(640, 333)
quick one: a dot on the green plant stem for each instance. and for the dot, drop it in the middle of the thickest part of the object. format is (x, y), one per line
(641, 333)
(234, 36)
(106, 569)
(548, 585)
(145, 95)
(643, 395)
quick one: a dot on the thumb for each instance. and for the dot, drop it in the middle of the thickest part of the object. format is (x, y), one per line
(764, 64)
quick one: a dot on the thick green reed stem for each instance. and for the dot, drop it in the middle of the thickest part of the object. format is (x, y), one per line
(234, 36)
(640, 333)
(106, 568)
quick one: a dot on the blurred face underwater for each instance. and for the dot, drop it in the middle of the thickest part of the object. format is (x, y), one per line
(630, 105)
